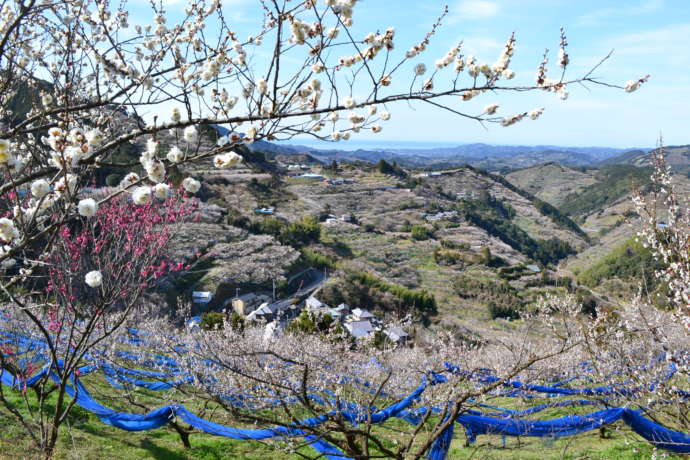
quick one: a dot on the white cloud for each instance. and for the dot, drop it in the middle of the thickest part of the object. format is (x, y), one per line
(474, 9)
(668, 44)
(598, 16)
(482, 47)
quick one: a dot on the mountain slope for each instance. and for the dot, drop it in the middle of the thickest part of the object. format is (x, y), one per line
(551, 182)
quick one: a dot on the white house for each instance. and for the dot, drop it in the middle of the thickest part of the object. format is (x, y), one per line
(359, 314)
(359, 329)
(396, 334)
(314, 304)
(201, 297)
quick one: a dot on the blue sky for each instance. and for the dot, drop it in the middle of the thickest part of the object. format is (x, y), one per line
(647, 36)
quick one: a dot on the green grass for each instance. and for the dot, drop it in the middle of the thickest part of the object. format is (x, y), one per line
(86, 437)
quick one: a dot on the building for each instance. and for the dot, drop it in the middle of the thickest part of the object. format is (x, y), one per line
(442, 215)
(312, 176)
(315, 305)
(396, 334)
(340, 312)
(246, 303)
(201, 297)
(359, 314)
(263, 314)
(534, 268)
(359, 329)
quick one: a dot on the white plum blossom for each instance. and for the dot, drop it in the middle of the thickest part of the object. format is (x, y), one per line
(226, 160)
(8, 231)
(175, 155)
(87, 207)
(94, 137)
(130, 179)
(191, 185)
(190, 134)
(420, 69)
(141, 195)
(251, 133)
(66, 184)
(376, 129)
(161, 191)
(348, 102)
(40, 188)
(535, 113)
(175, 115)
(152, 146)
(5, 155)
(385, 116)
(490, 109)
(634, 85)
(93, 278)
(262, 86)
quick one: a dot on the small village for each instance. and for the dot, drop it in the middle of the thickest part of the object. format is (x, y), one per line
(276, 315)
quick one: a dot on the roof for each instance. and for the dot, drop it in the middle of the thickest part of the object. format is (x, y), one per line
(201, 296)
(358, 312)
(396, 333)
(313, 302)
(533, 267)
(359, 328)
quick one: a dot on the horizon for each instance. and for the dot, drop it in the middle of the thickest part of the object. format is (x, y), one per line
(373, 144)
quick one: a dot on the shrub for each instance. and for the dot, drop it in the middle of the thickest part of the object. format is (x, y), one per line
(502, 311)
(420, 232)
(212, 320)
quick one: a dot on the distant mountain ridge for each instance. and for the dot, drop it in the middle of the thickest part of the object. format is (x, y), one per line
(677, 156)
(492, 157)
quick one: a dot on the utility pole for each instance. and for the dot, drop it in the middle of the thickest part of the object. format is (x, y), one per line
(274, 289)
(237, 292)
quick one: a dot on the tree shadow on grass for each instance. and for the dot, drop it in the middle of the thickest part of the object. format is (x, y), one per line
(161, 453)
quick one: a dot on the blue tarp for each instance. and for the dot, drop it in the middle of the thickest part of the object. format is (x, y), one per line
(503, 422)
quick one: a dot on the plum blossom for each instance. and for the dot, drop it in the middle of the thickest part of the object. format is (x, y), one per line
(8, 231)
(93, 278)
(141, 195)
(175, 155)
(130, 179)
(191, 185)
(490, 109)
(40, 188)
(535, 113)
(161, 191)
(87, 207)
(5, 155)
(226, 160)
(190, 134)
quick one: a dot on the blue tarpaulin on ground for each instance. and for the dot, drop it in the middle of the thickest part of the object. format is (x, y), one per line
(502, 422)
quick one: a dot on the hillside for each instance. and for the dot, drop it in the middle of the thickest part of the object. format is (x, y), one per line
(552, 182)
(677, 156)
